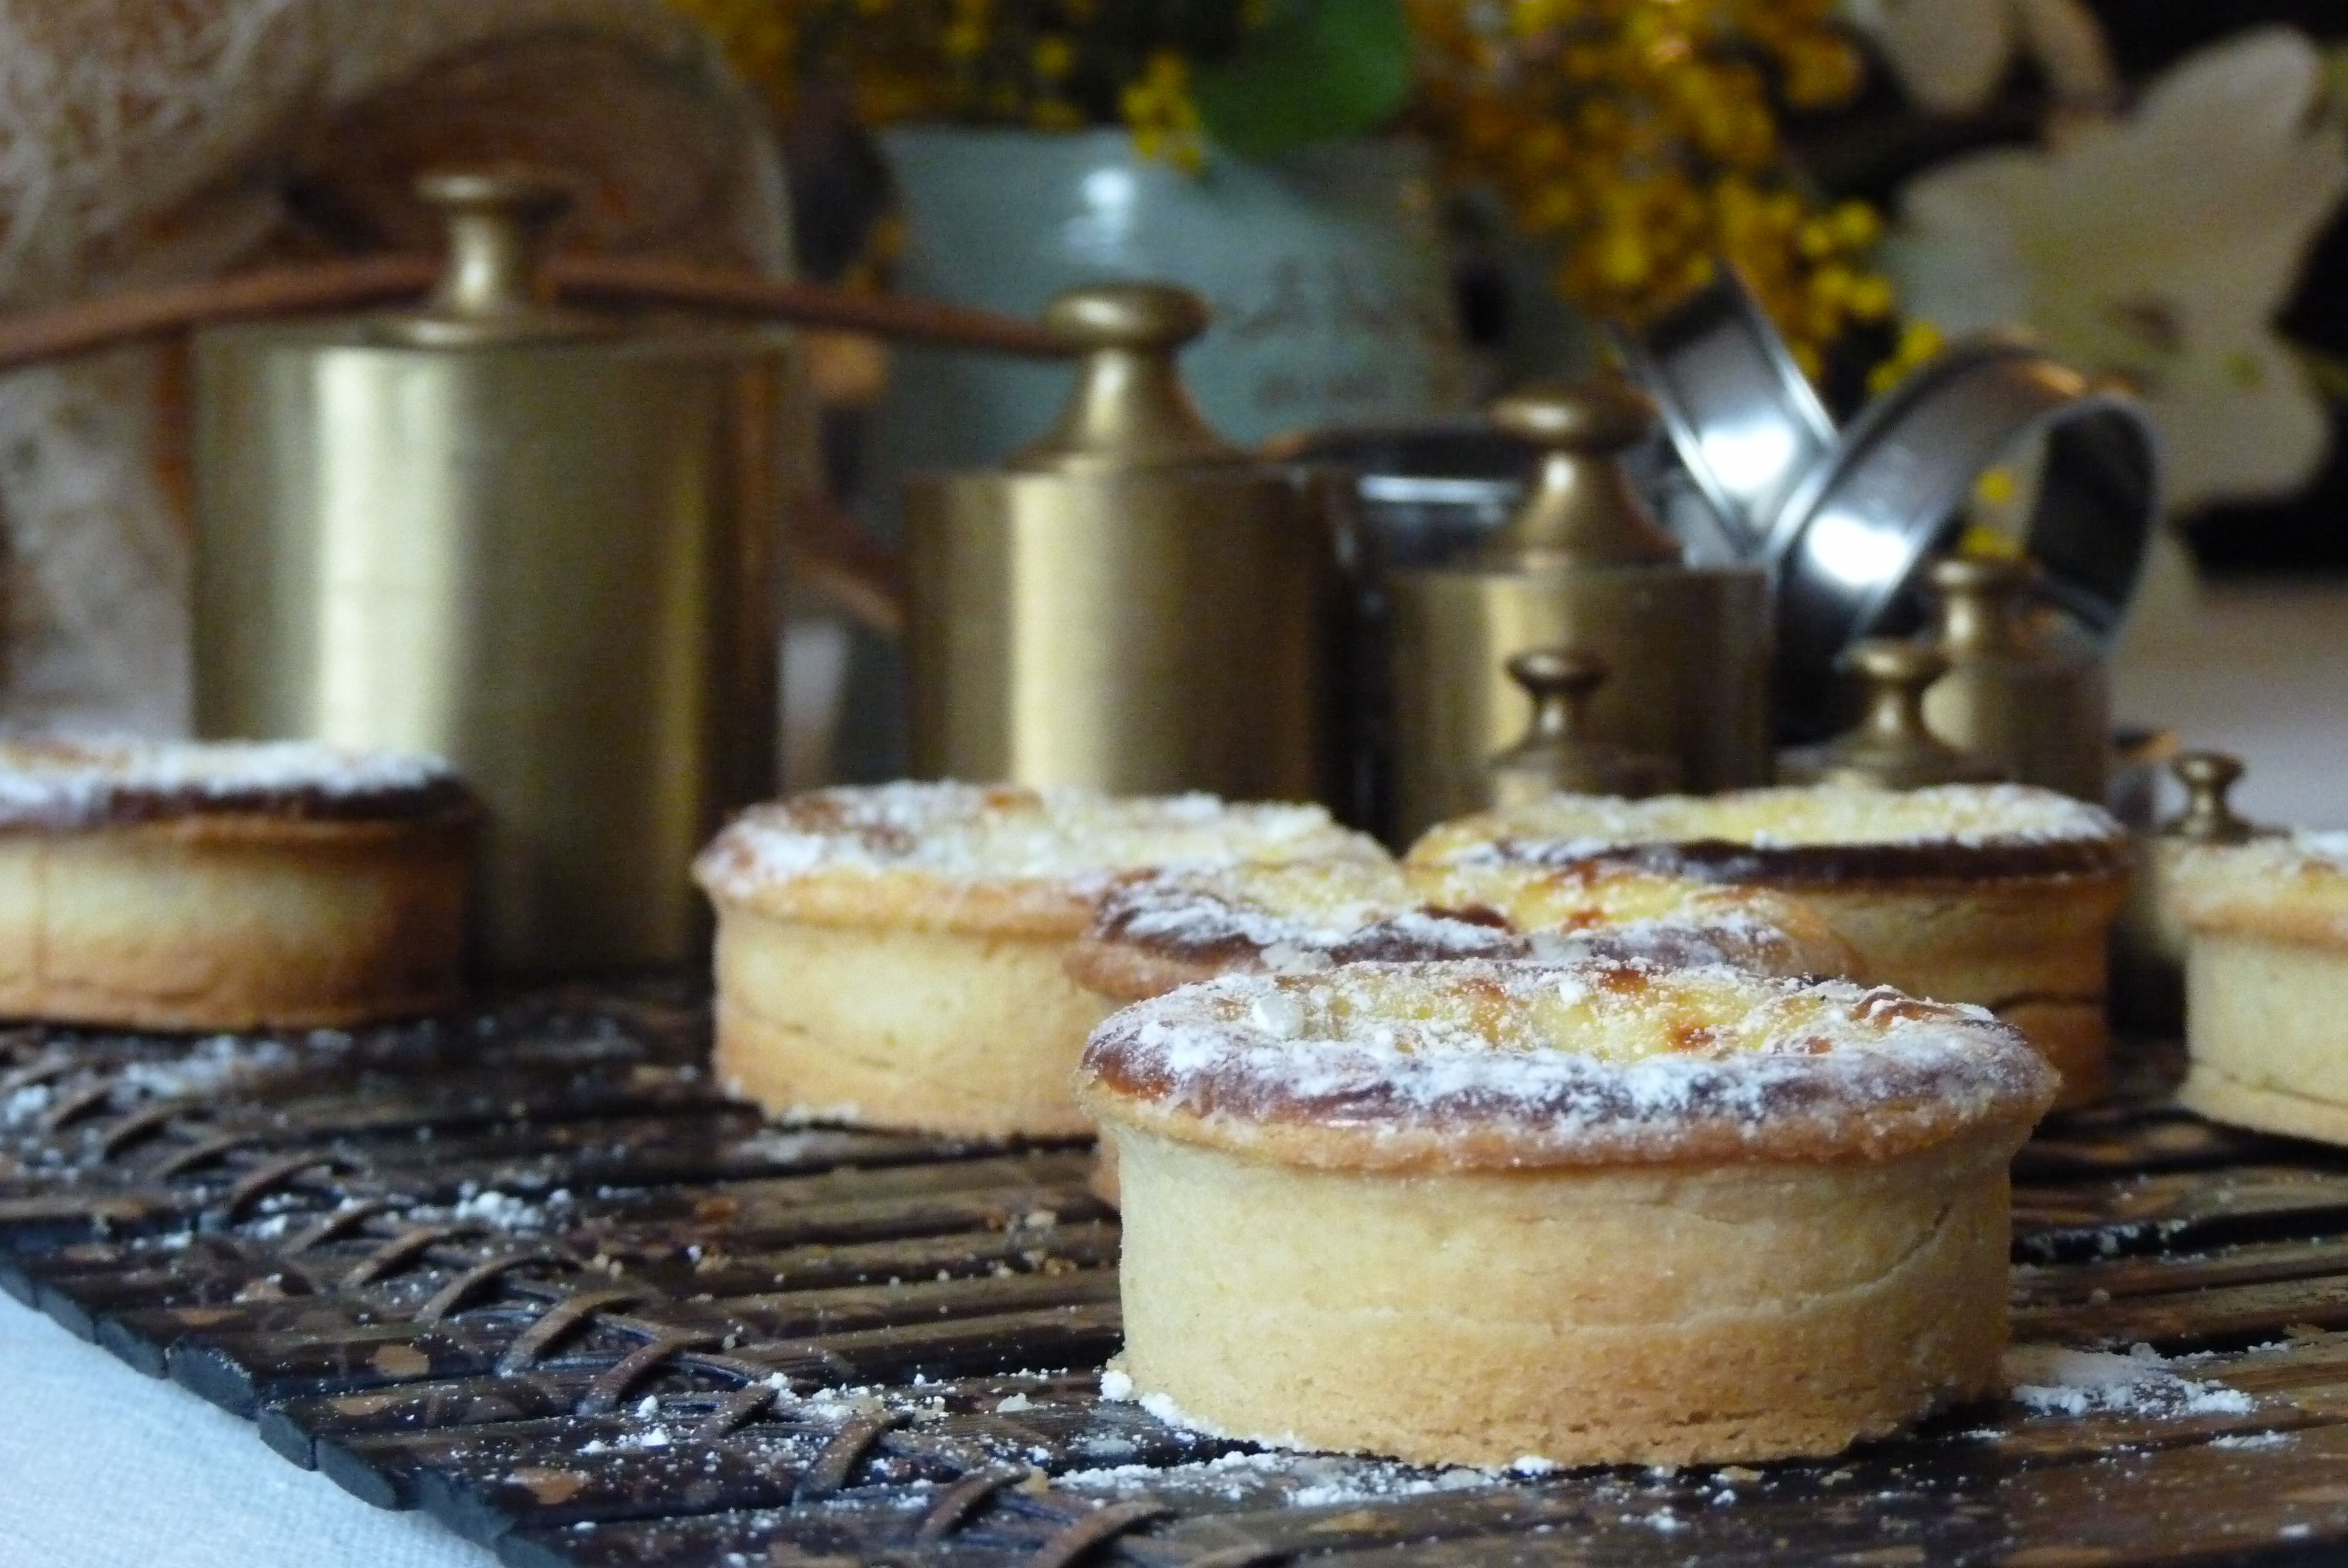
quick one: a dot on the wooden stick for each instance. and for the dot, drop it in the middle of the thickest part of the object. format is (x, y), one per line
(86, 325)
(900, 316)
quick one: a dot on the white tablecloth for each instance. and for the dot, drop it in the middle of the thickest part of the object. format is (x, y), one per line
(103, 1468)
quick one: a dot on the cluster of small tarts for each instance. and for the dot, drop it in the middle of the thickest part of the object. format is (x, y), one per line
(1594, 1131)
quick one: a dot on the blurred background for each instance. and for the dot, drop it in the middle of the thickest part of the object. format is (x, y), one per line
(1396, 207)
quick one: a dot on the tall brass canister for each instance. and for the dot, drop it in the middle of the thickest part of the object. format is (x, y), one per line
(541, 545)
(1583, 567)
(1131, 604)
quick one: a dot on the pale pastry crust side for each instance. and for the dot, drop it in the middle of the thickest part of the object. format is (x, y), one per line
(944, 1031)
(2262, 1026)
(228, 922)
(1650, 1316)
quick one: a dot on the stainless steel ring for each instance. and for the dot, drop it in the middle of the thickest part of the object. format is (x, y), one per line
(1743, 419)
(1856, 534)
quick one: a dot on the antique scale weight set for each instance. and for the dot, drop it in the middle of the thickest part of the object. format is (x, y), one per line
(548, 544)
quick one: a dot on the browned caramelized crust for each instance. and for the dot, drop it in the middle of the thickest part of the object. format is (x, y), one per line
(1477, 1065)
(1158, 930)
(63, 786)
(1798, 836)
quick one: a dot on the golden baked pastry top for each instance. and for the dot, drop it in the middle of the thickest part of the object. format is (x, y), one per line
(990, 857)
(1159, 929)
(1495, 1065)
(1802, 832)
(72, 785)
(2292, 886)
(1598, 909)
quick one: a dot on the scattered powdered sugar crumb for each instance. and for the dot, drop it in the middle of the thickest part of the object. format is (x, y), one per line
(1292, 1479)
(504, 1212)
(208, 1067)
(2048, 1380)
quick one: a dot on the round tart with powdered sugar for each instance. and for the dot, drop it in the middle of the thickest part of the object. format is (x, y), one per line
(1156, 930)
(894, 955)
(2266, 982)
(229, 885)
(1590, 1212)
(1998, 895)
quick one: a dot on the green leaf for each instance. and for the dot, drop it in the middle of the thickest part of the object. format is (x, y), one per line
(1318, 70)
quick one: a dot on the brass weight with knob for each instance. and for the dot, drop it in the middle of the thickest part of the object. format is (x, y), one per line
(2042, 712)
(1583, 564)
(1130, 603)
(1892, 747)
(539, 543)
(2150, 936)
(1557, 751)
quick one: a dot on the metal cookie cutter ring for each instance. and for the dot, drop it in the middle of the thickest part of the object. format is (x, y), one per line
(1858, 533)
(1743, 419)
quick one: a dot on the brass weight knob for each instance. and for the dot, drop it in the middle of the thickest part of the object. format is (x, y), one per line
(493, 288)
(1890, 748)
(1581, 509)
(1129, 409)
(1984, 600)
(2209, 778)
(1556, 751)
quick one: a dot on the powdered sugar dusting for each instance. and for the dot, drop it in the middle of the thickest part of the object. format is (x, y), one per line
(63, 785)
(1579, 1060)
(2049, 1380)
(1573, 826)
(1305, 915)
(1002, 833)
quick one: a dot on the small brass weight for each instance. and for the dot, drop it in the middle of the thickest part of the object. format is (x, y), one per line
(2041, 711)
(2151, 938)
(1130, 604)
(1889, 747)
(1557, 751)
(1582, 565)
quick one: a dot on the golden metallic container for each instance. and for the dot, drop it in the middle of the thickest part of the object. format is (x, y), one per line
(540, 546)
(1890, 747)
(2041, 711)
(1131, 604)
(1583, 564)
(1556, 752)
